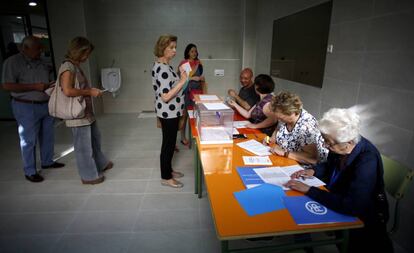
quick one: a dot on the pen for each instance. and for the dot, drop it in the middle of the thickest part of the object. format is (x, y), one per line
(306, 177)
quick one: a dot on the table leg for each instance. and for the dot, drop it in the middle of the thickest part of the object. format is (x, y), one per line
(200, 176)
(344, 234)
(225, 246)
(196, 170)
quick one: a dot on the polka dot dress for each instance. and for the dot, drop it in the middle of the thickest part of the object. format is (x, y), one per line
(163, 79)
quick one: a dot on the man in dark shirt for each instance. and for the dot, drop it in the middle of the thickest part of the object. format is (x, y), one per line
(26, 76)
(247, 95)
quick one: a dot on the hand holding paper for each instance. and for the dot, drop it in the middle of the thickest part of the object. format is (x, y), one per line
(187, 68)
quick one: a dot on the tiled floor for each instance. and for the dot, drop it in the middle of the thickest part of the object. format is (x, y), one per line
(129, 212)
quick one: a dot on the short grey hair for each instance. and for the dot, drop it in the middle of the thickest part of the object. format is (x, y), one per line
(343, 125)
(30, 41)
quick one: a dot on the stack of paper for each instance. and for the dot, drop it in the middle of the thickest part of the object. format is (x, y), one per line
(281, 175)
(240, 124)
(208, 97)
(253, 177)
(257, 160)
(216, 106)
(262, 199)
(255, 147)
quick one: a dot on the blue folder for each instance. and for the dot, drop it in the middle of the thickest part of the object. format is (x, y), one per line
(306, 211)
(249, 176)
(261, 199)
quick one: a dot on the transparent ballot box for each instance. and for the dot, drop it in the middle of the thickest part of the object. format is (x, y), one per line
(214, 123)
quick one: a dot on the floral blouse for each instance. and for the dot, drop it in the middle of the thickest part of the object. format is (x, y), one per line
(304, 132)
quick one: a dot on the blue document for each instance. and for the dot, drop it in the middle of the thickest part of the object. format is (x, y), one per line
(249, 177)
(306, 211)
(261, 199)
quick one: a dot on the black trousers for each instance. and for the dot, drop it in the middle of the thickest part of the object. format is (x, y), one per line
(169, 137)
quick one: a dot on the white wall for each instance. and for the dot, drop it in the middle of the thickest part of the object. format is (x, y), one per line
(371, 66)
(67, 20)
(126, 31)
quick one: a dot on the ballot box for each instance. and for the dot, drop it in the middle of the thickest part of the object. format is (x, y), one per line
(214, 121)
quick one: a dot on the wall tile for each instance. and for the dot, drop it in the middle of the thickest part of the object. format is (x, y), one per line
(391, 32)
(389, 105)
(350, 10)
(345, 66)
(350, 36)
(389, 69)
(389, 6)
(340, 93)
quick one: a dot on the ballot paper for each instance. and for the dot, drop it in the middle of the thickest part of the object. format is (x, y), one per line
(208, 97)
(216, 106)
(281, 175)
(257, 160)
(190, 114)
(187, 68)
(240, 124)
(255, 147)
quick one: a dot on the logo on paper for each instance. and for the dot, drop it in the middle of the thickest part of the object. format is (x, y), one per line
(316, 208)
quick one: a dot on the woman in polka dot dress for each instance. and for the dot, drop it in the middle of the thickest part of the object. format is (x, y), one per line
(169, 104)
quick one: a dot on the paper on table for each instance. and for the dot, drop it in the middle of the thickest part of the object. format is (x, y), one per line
(262, 199)
(281, 175)
(240, 124)
(208, 97)
(235, 131)
(255, 147)
(257, 160)
(216, 106)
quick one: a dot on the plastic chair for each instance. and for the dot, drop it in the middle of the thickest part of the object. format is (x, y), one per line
(397, 178)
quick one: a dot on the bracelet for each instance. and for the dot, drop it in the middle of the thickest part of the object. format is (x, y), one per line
(286, 154)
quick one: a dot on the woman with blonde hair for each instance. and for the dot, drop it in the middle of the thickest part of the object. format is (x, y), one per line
(297, 136)
(90, 160)
(169, 104)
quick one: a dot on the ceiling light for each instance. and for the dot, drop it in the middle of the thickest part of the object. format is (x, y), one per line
(32, 4)
(18, 17)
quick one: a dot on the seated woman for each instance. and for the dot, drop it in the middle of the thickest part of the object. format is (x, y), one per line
(353, 174)
(297, 136)
(195, 84)
(264, 86)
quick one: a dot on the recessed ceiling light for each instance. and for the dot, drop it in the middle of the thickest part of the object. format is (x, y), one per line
(18, 17)
(32, 4)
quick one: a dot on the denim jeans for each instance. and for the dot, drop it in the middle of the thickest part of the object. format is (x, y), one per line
(34, 126)
(89, 157)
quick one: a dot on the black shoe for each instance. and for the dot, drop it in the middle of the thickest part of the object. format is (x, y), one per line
(36, 178)
(53, 165)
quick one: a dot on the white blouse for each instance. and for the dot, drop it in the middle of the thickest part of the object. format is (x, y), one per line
(163, 79)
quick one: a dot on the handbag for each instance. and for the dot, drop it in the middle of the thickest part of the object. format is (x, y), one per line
(64, 107)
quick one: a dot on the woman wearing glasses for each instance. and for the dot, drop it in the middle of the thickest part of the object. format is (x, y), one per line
(297, 136)
(353, 174)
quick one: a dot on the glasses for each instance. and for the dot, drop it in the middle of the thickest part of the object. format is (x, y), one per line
(331, 145)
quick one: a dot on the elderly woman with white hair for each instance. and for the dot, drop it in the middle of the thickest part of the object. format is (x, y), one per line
(353, 174)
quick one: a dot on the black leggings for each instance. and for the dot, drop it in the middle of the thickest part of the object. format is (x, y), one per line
(169, 138)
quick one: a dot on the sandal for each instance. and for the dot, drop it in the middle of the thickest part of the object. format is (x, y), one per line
(172, 183)
(185, 143)
(177, 174)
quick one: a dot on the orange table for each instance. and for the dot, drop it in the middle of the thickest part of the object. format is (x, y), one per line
(194, 134)
(219, 164)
